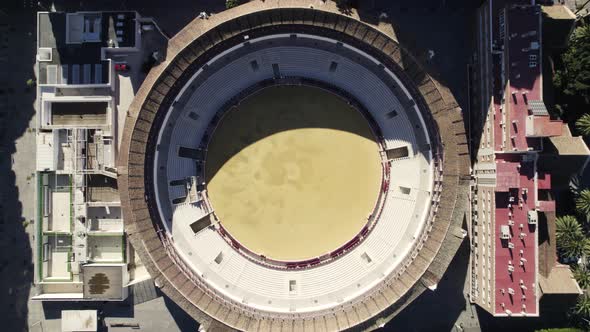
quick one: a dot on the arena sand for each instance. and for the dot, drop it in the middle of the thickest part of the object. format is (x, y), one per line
(293, 172)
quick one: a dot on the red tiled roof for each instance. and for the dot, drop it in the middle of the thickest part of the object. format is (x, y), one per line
(544, 181)
(545, 127)
(515, 179)
(547, 206)
(521, 199)
(523, 63)
(515, 41)
(507, 176)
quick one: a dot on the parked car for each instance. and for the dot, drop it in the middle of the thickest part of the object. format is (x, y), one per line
(121, 67)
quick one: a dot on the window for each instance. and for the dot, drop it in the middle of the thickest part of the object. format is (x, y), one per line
(396, 153)
(391, 114)
(404, 190)
(333, 66)
(219, 258)
(276, 71)
(193, 115)
(292, 286)
(366, 258)
(254, 65)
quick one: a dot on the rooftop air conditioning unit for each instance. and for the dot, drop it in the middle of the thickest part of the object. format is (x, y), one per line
(504, 232)
(533, 216)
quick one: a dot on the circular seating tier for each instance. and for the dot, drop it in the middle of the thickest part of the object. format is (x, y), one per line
(403, 215)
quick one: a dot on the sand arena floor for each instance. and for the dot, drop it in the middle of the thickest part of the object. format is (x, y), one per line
(293, 172)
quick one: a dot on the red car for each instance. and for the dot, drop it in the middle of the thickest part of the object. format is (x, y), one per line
(121, 67)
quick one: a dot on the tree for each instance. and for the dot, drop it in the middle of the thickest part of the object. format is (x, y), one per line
(574, 78)
(231, 3)
(571, 242)
(567, 227)
(576, 184)
(574, 247)
(583, 204)
(583, 124)
(582, 275)
(582, 307)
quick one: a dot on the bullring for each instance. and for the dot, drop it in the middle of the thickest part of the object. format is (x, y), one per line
(407, 240)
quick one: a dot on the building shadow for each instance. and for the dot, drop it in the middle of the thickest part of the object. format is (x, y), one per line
(17, 58)
(277, 109)
(170, 17)
(182, 319)
(437, 310)
(122, 309)
(439, 36)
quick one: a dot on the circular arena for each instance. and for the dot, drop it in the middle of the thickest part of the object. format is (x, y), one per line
(290, 168)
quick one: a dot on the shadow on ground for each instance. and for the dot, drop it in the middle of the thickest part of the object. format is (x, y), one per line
(17, 53)
(185, 321)
(437, 310)
(276, 109)
(170, 17)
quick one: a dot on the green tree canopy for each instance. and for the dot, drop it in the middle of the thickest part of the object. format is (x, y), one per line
(583, 204)
(582, 275)
(231, 3)
(582, 307)
(583, 125)
(573, 79)
(567, 227)
(574, 247)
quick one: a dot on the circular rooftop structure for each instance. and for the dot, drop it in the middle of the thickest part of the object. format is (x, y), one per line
(292, 169)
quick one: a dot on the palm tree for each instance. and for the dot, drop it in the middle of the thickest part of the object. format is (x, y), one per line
(582, 307)
(583, 204)
(574, 247)
(575, 185)
(583, 125)
(567, 227)
(582, 275)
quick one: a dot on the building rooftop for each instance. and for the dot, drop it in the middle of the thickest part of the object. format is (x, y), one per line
(559, 281)
(515, 258)
(520, 124)
(523, 62)
(70, 45)
(568, 144)
(79, 320)
(104, 282)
